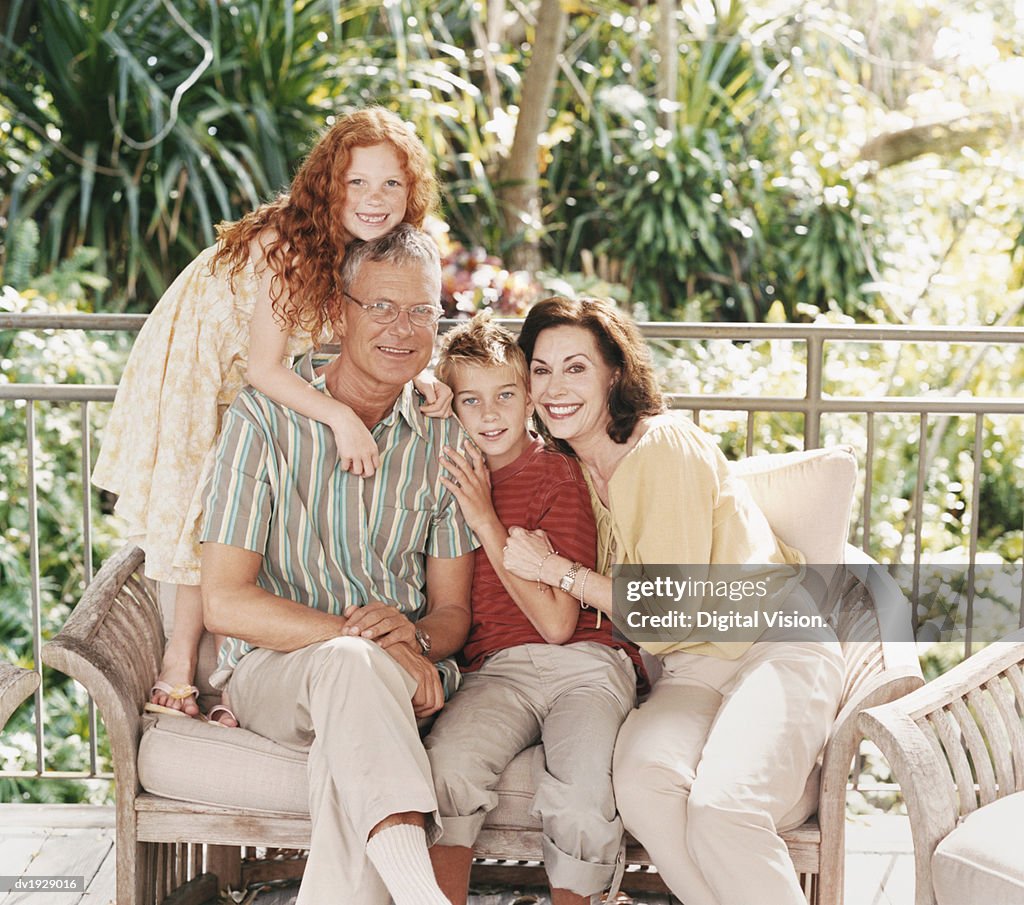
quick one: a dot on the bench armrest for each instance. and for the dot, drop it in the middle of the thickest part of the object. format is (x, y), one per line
(16, 684)
(881, 665)
(112, 643)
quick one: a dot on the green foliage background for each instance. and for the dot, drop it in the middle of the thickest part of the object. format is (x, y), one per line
(67, 357)
(135, 127)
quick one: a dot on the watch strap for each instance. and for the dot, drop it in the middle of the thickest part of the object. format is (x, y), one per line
(569, 578)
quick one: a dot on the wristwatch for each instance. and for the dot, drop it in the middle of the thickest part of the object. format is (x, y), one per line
(424, 641)
(569, 578)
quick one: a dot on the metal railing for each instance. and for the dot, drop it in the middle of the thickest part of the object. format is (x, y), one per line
(813, 404)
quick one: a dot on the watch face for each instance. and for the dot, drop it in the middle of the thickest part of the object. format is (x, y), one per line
(424, 639)
(569, 578)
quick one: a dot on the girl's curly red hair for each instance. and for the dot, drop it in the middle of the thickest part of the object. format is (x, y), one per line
(303, 236)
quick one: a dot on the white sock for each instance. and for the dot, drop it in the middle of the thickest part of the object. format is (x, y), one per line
(400, 855)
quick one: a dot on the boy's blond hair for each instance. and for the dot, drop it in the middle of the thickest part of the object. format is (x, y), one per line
(480, 342)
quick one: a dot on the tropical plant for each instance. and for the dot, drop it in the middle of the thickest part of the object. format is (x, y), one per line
(697, 201)
(136, 126)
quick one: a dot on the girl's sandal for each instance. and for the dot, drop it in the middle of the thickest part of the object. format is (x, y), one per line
(175, 692)
(181, 693)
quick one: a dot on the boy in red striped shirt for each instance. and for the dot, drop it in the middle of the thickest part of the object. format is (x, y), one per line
(537, 667)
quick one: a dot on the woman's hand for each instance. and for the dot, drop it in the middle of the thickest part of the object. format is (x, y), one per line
(437, 396)
(357, 450)
(526, 552)
(470, 484)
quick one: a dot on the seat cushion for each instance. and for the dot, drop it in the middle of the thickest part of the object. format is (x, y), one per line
(982, 859)
(189, 760)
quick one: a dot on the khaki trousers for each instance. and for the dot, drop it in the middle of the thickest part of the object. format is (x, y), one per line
(573, 698)
(716, 756)
(348, 703)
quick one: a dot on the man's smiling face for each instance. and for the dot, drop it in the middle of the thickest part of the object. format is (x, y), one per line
(391, 354)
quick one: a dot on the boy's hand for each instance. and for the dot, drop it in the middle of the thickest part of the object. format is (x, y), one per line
(470, 484)
(357, 450)
(437, 396)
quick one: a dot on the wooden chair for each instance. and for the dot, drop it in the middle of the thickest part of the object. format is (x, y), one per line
(113, 643)
(956, 747)
(16, 684)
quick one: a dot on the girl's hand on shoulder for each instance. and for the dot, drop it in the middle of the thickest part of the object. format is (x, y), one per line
(526, 551)
(357, 450)
(470, 483)
(437, 396)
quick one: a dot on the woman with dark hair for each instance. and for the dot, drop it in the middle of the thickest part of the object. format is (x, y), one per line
(713, 765)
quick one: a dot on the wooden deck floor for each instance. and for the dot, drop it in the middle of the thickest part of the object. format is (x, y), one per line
(78, 840)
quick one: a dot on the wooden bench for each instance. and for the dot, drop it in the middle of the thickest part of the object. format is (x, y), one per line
(113, 643)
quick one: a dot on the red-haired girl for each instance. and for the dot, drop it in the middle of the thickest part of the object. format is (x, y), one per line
(236, 315)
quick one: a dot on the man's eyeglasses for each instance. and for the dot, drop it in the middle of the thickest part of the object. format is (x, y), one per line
(386, 312)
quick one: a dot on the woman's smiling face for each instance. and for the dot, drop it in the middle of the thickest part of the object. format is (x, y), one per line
(569, 383)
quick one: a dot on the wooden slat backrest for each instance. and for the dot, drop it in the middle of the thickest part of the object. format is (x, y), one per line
(979, 735)
(973, 720)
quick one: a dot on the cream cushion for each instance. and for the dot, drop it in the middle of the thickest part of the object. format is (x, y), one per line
(189, 760)
(806, 496)
(194, 761)
(982, 860)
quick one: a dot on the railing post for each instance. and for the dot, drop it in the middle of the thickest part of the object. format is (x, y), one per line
(812, 396)
(922, 464)
(35, 590)
(87, 558)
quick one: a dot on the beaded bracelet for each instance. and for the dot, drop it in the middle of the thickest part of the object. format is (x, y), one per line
(541, 586)
(583, 592)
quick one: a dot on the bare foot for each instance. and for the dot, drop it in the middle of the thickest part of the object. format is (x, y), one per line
(175, 681)
(222, 713)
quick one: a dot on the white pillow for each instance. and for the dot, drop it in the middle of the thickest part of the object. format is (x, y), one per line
(806, 496)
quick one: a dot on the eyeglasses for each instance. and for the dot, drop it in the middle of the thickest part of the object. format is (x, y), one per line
(387, 313)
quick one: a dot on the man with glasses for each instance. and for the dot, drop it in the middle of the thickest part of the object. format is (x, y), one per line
(342, 595)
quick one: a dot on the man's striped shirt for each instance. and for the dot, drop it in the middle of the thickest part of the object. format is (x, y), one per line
(328, 538)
